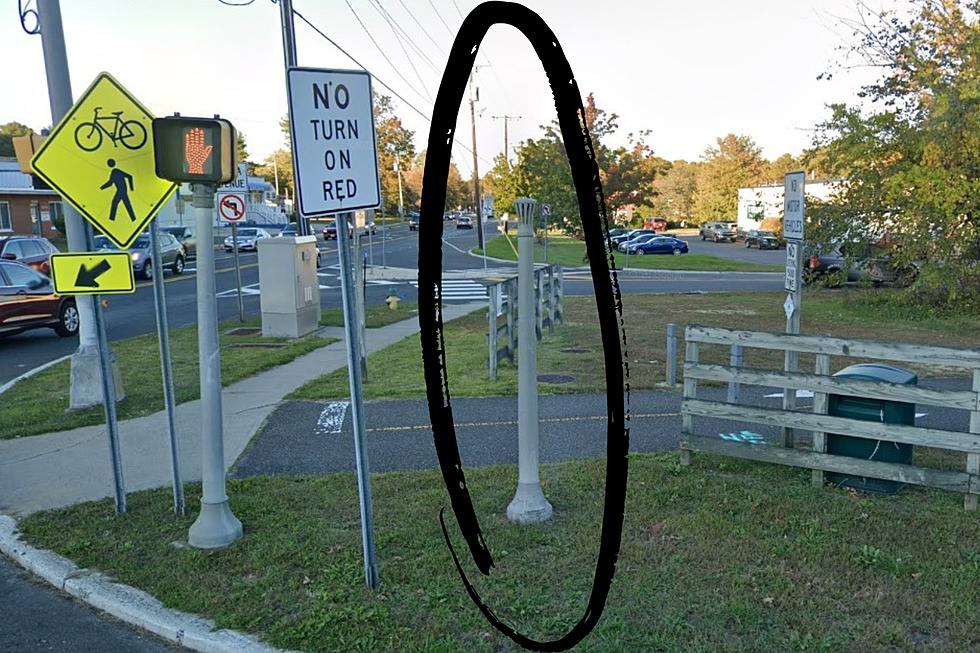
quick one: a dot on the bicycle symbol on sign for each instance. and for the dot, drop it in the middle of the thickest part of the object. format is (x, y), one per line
(89, 135)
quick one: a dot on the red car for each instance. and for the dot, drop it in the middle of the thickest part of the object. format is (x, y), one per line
(27, 301)
(29, 250)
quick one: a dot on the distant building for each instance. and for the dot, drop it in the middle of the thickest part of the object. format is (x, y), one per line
(765, 202)
(25, 210)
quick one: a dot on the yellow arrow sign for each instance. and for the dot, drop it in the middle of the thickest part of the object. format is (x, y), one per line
(92, 273)
(100, 158)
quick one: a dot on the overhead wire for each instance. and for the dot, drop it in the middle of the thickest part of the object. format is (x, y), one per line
(379, 80)
(401, 44)
(393, 22)
(421, 27)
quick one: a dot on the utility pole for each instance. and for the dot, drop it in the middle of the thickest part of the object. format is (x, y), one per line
(529, 504)
(506, 118)
(476, 169)
(85, 389)
(401, 198)
(289, 55)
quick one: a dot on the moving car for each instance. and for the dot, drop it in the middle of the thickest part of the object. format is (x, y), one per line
(172, 254)
(464, 222)
(660, 245)
(719, 231)
(29, 250)
(185, 236)
(330, 231)
(413, 221)
(27, 301)
(248, 238)
(761, 239)
(289, 230)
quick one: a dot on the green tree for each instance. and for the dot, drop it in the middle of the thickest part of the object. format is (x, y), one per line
(241, 146)
(7, 133)
(911, 152)
(277, 169)
(675, 191)
(394, 144)
(775, 171)
(733, 163)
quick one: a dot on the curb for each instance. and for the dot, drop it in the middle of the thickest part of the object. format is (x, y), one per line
(123, 602)
(29, 373)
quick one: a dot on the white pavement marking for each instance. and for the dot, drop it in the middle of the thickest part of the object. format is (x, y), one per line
(40, 368)
(460, 290)
(800, 394)
(461, 251)
(331, 418)
(252, 289)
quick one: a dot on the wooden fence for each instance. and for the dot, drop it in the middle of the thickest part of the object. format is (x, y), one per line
(819, 422)
(502, 312)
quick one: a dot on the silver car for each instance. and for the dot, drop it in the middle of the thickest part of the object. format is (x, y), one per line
(248, 239)
(172, 253)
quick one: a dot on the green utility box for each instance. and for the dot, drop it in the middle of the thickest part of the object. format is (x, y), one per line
(871, 410)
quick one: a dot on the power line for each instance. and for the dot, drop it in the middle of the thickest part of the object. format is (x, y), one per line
(407, 37)
(381, 50)
(421, 27)
(401, 44)
(444, 23)
(375, 77)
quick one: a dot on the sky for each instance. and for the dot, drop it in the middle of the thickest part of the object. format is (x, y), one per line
(689, 71)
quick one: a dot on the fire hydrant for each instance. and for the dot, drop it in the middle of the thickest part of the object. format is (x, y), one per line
(392, 299)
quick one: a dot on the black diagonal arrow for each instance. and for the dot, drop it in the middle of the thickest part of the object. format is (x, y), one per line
(87, 278)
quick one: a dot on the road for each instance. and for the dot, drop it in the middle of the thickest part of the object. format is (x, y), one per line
(132, 315)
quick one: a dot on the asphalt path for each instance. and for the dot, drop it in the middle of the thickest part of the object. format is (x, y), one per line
(308, 437)
(39, 619)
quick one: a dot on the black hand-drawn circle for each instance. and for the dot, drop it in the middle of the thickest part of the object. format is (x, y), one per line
(588, 188)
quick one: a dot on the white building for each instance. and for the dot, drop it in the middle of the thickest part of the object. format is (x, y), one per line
(260, 198)
(760, 203)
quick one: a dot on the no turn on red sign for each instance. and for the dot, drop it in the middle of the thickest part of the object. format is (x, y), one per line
(231, 207)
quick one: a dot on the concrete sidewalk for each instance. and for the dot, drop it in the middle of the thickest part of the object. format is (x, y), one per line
(68, 467)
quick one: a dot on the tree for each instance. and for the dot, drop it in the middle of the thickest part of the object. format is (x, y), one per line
(675, 191)
(775, 171)
(457, 189)
(241, 146)
(503, 182)
(277, 169)
(7, 133)
(394, 144)
(734, 162)
(911, 153)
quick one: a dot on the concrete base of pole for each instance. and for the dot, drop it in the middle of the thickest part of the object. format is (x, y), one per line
(215, 528)
(86, 379)
(529, 505)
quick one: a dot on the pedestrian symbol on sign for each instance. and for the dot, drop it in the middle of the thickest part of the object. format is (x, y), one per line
(119, 178)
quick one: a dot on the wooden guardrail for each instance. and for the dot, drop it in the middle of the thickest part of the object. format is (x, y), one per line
(818, 421)
(502, 312)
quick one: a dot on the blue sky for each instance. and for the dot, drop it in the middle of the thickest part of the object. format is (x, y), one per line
(688, 71)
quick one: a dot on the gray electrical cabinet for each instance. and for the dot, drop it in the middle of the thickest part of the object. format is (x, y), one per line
(289, 286)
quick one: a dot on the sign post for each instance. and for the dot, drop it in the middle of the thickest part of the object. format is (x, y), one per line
(232, 208)
(545, 217)
(794, 218)
(336, 165)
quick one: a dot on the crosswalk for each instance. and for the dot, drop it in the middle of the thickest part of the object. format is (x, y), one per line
(460, 290)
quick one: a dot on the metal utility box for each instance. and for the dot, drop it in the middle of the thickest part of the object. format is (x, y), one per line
(871, 410)
(289, 286)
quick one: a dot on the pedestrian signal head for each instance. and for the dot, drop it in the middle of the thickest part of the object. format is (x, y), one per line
(195, 150)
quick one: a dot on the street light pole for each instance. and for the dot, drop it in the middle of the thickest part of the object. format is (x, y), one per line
(529, 504)
(401, 198)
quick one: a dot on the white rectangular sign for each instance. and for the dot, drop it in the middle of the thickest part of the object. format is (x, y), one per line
(331, 116)
(794, 214)
(790, 284)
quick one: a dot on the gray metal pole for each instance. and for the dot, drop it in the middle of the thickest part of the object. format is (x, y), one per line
(734, 388)
(84, 390)
(238, 272)
(163, 334)
(289, 55)
(112, 426)
(215, 527)
(671, 354)
(529, 504)
(357, 404)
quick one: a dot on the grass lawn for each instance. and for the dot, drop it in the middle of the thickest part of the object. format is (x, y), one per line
(849, 312)
(40, 404)
(375, 316)
(569, 252)
(722, 556)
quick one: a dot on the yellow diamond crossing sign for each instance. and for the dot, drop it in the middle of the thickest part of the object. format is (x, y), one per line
(92, 273)
(100, 158)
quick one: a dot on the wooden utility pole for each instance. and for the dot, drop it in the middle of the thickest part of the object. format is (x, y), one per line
(476, 170)
(506, 118)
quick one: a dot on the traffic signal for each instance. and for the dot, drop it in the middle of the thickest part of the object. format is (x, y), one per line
(195, 150)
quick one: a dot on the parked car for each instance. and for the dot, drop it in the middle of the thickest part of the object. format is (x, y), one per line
(464, 222)
(719, 231)
(29, 250)
(659, 224)
(625, 245)
(172, 254)
(413, 221)
(833, 267)
(761, 239)
(247, 239)
(27, 301)
(617, 231)
(632, 233)
(660, 245)
(330, 231)
(185, 236)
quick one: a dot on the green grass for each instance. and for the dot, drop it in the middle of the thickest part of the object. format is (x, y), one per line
(856, 313)
(374, 317)
(723, 556)
(39, 404)
(570, 252)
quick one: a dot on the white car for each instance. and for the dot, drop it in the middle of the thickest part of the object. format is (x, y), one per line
(248, 238)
